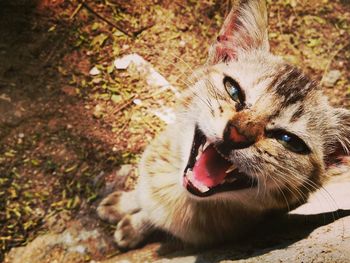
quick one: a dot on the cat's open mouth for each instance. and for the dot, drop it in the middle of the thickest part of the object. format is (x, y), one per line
(208, 171)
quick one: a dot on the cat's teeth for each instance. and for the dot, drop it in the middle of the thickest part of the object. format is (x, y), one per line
(206, 145)
(230, 179)
(223, 156)
(231, 168)
(199, 155)
(189, 174)
(201, 187)
(201, 149)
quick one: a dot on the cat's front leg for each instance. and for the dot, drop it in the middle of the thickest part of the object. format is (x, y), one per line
(132, 230)
(118, 204)
(123, 208)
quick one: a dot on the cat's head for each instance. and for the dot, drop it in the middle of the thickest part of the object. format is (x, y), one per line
(261, 126)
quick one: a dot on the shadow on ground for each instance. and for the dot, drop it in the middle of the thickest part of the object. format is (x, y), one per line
(272, 235)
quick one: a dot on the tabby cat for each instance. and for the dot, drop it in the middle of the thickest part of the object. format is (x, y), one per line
(253, 134)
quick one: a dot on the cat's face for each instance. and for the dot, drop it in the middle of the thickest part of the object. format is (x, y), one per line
(260, 126)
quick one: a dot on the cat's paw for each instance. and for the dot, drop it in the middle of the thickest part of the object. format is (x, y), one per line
(127, 235)
(109, 209)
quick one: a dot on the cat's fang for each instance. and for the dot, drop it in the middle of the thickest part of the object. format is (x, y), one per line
(231, 168)
(230, 179)
(206, 145)
(200, 150)
(203, 188)
(189, 174)
(199, 153)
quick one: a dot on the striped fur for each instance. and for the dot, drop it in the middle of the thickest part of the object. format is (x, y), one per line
(277, 96)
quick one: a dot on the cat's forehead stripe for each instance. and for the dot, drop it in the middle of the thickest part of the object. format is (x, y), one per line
(292, 85)
(297, 114)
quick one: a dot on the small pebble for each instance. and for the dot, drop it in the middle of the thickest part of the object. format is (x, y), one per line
(137, 101)
(331, 78)
(94, 71)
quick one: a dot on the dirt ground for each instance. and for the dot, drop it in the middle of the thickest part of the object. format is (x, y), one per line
(69, 120)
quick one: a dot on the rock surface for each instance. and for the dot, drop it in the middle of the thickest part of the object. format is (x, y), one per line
(318, 231)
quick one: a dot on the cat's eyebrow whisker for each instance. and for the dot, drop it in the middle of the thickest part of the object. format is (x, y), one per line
(211, 87)
(209, 102)
(204, 100)
(186, 81)
(191, 77)
(183, 61)
(188, 85)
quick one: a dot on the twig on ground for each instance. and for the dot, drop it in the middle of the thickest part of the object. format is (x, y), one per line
(139, 31)
(125, 104)
(119, 28)
(332, 58)
(76, 11)
(85, 5)
(123, 127)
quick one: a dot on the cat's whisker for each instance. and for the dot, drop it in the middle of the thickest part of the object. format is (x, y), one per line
(293, 189)
(315, 187)
(331, 200)
(261, 181)
(280, 172)
(309, 183)
(293, 184)
(266, 178)
(280, 190)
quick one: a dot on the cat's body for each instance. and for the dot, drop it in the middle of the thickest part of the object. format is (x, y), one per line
(252, 135)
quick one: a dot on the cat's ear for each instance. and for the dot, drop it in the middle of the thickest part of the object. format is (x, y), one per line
(245, 28)
(341, 135)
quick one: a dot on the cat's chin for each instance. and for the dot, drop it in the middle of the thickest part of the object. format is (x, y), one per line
(209, 171)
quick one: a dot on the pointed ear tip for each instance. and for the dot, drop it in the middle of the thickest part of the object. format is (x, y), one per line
(244, 28)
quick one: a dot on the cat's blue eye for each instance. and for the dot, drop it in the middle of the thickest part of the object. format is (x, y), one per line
(233, 92)
(233, 89)
(289, 141)
(286, 138)
(292, 143)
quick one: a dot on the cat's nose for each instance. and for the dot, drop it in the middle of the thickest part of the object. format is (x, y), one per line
(237, 138)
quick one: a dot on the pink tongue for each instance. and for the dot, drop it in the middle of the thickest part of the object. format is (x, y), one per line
(211, 168)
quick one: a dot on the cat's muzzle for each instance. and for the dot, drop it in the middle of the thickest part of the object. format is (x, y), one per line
(209, 171)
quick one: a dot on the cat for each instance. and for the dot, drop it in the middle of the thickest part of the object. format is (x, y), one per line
(253, 135)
